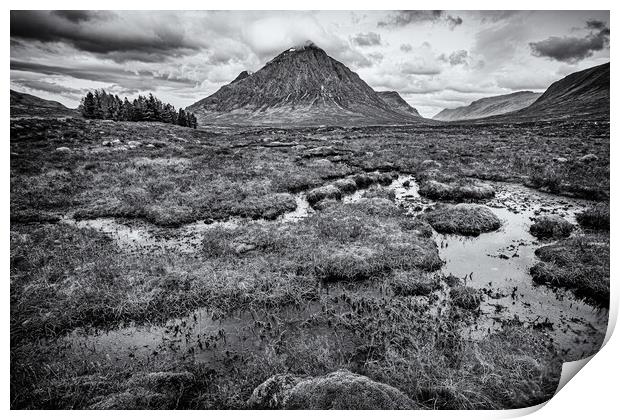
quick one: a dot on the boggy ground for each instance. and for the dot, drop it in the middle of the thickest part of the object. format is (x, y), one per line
(395, 320)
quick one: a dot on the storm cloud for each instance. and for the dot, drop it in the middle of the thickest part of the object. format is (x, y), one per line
(104, 33)
(571, 49)
(367, 39)
(408, 17)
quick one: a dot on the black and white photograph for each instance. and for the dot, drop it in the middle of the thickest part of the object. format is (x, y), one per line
(306, 209)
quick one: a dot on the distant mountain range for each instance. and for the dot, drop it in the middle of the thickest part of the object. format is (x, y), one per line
(303, 86)
(486, 107)
(25, 105)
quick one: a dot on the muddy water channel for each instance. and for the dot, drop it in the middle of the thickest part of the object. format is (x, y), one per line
(497, 263)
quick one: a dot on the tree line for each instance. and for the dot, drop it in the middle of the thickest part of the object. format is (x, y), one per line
(102, 105)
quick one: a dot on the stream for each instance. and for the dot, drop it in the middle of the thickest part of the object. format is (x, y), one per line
(496, 262)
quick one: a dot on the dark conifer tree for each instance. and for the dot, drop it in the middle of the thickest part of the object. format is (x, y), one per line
(88, 106)
(103, 105)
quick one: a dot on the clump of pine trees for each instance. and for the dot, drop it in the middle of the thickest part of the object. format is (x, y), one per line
(106, 106)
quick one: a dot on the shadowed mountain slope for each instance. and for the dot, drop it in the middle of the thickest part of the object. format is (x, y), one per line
(583, 95)
(301, 86)
(25, 105)
(486, 107)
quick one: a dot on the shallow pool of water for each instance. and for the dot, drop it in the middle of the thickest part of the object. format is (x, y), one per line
(496, 262)
(499, 262)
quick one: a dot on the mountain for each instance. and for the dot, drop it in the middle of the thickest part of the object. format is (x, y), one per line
(583, 95)
(301, 86)
(486, 107)
(25, 105)
(397, 103)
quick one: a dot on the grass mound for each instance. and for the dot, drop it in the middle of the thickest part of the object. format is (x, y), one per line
(340, 390)
(456, 191)
(377, 206)
(579, 264)
(341, 187)
(595, 217)
(551, 227)
(463, 219)
(268, 207)
(380, 192)
(321, 193)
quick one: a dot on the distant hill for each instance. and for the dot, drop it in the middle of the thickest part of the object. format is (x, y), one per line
(25, 105)
(486, 107)
(397, 103)
(583, 95)
(301, 86)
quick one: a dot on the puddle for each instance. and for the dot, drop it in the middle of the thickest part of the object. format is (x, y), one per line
(497, 262)
(207, 338)
(138, 237)
(302, 210)
(500, 261)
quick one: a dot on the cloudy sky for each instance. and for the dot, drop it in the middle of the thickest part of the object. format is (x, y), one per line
(434, 59)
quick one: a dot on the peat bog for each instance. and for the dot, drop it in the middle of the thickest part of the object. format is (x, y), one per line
(157, 266)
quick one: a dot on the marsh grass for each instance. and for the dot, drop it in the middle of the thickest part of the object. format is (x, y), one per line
(580, 264)
(551, 227)
(456, 191)
(595, 217)
(463, 219)
(466, 297)
(65, 279)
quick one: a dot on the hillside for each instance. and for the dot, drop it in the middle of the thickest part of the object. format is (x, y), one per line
(486, 107)
(583, 95)
(397, 103)
(25, 105)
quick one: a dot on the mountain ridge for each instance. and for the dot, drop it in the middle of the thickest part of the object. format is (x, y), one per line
(489, 106)
(26, 105)
(582, 95)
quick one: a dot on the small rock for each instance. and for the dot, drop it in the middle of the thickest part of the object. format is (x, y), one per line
(431, 163)
(243, 248)
(588, 158)
(63, 149)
